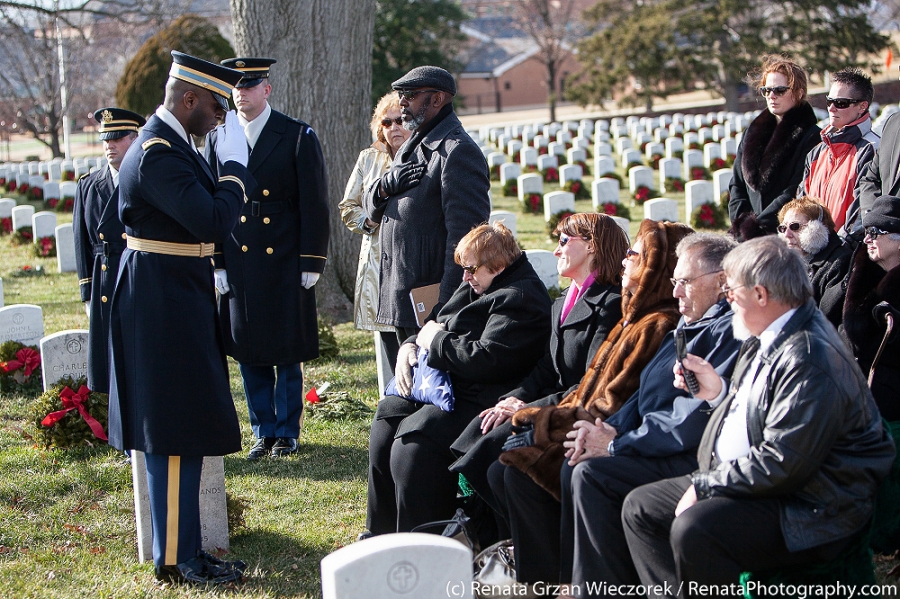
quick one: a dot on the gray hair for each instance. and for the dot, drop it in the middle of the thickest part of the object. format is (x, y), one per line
(707, 249)
(893, 236)
(767, 261)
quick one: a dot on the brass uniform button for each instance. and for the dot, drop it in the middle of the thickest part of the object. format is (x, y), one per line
(124, 235)
(243, 219)
(269, 250)
(102, 267)
(103, 298)
(267, 220)
(101, 236)
(266, 192)
(243, 248)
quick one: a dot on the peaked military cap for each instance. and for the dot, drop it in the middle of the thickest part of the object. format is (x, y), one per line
(427, 76)
(216, 78)
(254, 69)
(117, 122)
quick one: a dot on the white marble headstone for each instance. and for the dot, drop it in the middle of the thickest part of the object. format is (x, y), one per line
(23, 323)
(574, 155)
(557, 201)
(544, 263)
(556, 148)
(622, 144)
(690, 159)
(495, 158)
(721, 181)
(601, 148)
(513, 146)
(399, 566)
(6, 207)
(604, 165)
(570, 172)
(624, 224)
(67, 189)
(546, 161)
(43, 224)
(729, 147)
(711, 151)
(506, 217)
(528, 157)
(669, 168)
(540, 141)
(673, 145)
(631, 157)
(528, 184)
(64, 354)
(51, 190)
(604, 191)
(21, 216)
(509, 170)
(65, 248)
(661, 209)
(640, 176)
(696, 193)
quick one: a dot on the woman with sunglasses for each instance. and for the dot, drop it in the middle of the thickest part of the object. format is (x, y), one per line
(589, 252)
(875, 278)
(848, 145)
(487, 337)
(807, 228)
(769, 163)
(389, 134)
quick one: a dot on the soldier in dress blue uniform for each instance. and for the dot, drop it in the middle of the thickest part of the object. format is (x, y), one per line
(267, 268)
(169, 390)
(100, 236)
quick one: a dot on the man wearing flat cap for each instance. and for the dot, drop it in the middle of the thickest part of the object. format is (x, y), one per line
(98, 236)
(169, 390)
(267, 267)
(436, 191)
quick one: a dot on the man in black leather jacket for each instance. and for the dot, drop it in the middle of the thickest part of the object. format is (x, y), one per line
(790, 460)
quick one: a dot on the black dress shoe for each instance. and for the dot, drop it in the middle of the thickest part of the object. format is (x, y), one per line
(364, 535)
(213, 563)
(261, 448)
(284, 446)
(197, 571)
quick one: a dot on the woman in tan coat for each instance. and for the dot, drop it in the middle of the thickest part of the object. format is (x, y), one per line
(373, 162)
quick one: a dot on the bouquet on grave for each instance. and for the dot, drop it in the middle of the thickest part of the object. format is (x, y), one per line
(70, 415)
(708, 216)
(20, 369)
(577, 188)
(533, 204)
(614, 209)
(45, 247)
(644, 193)
(554, 221)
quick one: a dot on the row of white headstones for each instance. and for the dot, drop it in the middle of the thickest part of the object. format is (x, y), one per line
(49, 175)
(65, 354)
(43, 224)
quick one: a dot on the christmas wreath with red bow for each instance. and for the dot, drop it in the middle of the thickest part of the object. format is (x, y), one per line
(20, 369)
(577, 188)
(66, 204)
(614, 209)
(45, 247)
(644, 193)
(511, 188)
(22, 235)
(533, 204)
(70, 415)
(708, 216)
(554, 221)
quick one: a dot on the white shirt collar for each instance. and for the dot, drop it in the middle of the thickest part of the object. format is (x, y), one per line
(253, 128)
(767, 337)
(168, 118)
(115, 175)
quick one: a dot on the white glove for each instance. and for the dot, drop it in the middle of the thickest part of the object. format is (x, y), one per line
(406, 359)
(87, 308)
(427, 333)
(308, 279)
(222, 285)
(231, 143)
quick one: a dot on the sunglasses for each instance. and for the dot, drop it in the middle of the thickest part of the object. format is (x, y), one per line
(471, 269)
(409, 94)
(778, 90)
(564, 239)
(792, 226)
(388, 122)
(875, 232)
(629, 253)
(841, 103)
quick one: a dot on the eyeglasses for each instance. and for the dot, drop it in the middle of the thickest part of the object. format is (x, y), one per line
(841, 103)
(564, 239)
(471, 269)
(778, 91)
(409, 94)
(795, 226)
(629, 253)
(388, 122)
(728, 290)
(687, 282)
(875, 232)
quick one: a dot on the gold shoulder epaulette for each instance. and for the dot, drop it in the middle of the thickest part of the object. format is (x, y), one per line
(154, 141)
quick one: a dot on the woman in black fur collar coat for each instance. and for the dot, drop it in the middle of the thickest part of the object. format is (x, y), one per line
(770, 159)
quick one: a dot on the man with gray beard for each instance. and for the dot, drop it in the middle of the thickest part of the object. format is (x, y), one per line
(436, 191)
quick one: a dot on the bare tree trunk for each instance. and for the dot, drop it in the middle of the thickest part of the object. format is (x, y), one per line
(551, 88)
(323, 76)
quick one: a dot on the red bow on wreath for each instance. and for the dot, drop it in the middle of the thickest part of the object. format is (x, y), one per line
(26, 357)
(75, 401)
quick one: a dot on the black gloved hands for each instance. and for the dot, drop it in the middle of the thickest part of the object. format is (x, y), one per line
(523, 436)
(881, 311)
(401, 178)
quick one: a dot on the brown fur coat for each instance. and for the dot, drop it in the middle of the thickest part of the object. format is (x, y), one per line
(614, 374)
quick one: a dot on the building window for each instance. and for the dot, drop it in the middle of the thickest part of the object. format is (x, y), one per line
(507, 85)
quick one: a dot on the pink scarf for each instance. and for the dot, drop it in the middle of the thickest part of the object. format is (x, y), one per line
(574, 294)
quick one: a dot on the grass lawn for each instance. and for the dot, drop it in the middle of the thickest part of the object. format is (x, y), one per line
(67, 524)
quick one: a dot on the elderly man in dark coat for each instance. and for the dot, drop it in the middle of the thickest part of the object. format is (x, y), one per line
(100, 236)
(169, 392)
(268, 266)
(437, 189)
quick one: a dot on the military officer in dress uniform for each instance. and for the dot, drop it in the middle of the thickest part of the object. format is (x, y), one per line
(169, 390)
(268, 266)
(100, 236)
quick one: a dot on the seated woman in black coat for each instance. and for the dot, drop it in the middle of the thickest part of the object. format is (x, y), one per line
(807, 227)
(488, 336)
(589, 253)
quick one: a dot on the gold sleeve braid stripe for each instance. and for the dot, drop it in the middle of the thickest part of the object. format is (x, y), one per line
(237, 180)
(85, 281)
(313, 256)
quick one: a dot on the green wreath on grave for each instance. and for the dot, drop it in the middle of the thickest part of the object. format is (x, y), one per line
(45, 247)
(653, 161)
(717, 164)
(533, 204)
(700, 173)
(67, 204)
(632, 165)
(20, 369)
(511, 188)
(554, 221)
(610, 175)
(577, 188)
(724, 198)
(674, 184)
(644, 193)
(550, 174)
(3, 184)
(495, 172)
(70, 415)
(708, 216)
(22, 235)
(614, 209)
(6, 225)
(584, 167)
(35, 194)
